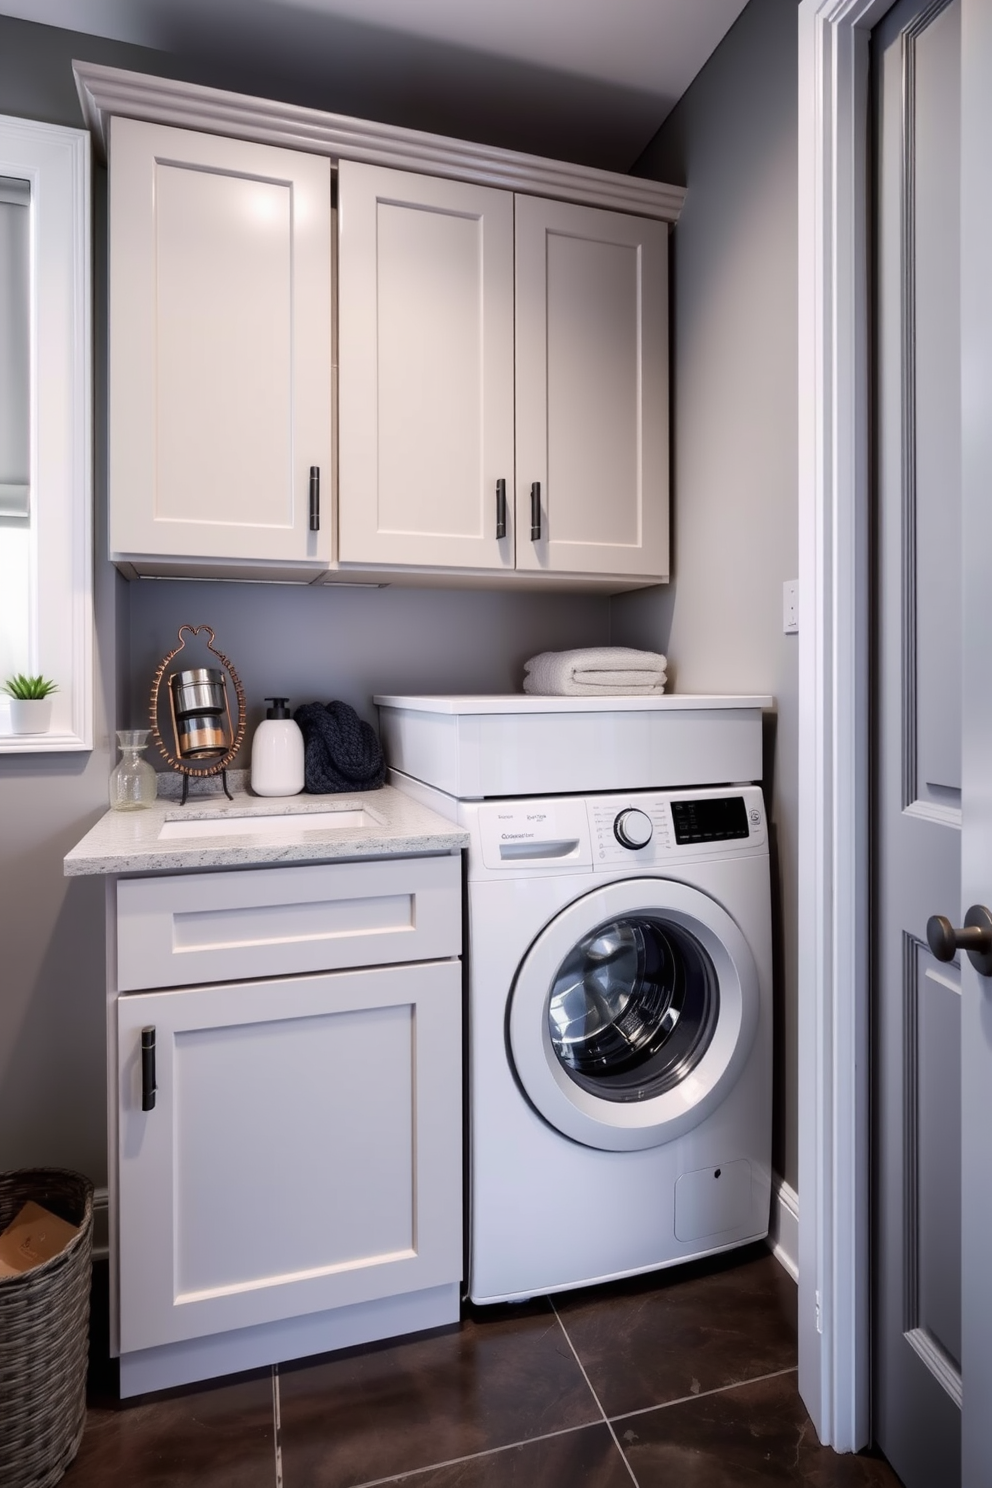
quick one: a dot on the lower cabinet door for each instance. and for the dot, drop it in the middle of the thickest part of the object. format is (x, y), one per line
(302, 1150)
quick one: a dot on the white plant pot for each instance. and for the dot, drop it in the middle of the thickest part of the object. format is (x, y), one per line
(30, 715)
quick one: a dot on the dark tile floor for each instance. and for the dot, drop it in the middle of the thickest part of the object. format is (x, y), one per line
(682, 1379)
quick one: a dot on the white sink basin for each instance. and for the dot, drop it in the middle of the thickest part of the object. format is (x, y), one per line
(288, 824)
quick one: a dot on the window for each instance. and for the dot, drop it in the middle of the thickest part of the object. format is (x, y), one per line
(46, 598)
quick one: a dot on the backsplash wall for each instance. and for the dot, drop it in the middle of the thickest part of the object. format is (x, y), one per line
(312, 644)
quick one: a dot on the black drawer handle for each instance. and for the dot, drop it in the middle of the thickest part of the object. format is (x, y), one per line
(148, 1085)
(314, 498)
(500, 509)
(535, 512)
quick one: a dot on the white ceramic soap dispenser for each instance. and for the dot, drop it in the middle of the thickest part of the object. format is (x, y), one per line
(277, 753)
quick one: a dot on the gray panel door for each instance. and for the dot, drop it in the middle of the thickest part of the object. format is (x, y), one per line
(976, 713)
(918, 801)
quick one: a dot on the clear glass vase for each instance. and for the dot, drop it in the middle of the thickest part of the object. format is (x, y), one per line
(133, 783)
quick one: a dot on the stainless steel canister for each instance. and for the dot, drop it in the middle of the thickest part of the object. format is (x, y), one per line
(198, 691)
(202, 736)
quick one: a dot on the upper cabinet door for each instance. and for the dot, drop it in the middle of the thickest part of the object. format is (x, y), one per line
(591, 391)
(425, 328)
(220, 348)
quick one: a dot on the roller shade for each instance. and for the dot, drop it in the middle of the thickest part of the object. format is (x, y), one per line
(15, 352)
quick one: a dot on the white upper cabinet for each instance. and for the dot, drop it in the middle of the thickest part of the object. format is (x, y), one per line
(591, 390)
(425, 339)
(503, 381)
(220, 353)
(470, 350)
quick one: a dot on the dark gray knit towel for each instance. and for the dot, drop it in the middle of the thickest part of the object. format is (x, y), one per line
(341, 751)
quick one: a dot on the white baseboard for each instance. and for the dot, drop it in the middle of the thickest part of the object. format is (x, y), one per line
(783, 1231)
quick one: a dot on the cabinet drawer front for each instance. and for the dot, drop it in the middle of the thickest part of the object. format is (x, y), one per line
(203, 927)
(302, 1152)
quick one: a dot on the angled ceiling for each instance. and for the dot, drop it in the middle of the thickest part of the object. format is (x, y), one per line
(587, 80)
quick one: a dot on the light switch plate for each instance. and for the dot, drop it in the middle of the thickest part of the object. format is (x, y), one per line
(790, 606)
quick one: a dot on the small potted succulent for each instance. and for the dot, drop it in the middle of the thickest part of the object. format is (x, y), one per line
(30, 703)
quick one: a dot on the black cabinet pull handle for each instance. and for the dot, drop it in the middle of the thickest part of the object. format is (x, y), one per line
(148, 1085)
(314, 498)
(535, 512)
(500, 508)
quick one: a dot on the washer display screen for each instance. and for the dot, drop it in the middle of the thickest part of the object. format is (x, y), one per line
(633, 1008)
(711, 819)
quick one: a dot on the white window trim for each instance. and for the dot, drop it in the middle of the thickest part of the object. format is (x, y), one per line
(56, 161)
(834, 491)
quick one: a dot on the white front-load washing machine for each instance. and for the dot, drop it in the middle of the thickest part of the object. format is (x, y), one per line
(619, 1032)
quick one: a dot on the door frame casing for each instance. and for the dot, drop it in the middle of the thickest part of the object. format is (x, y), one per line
(834, 694)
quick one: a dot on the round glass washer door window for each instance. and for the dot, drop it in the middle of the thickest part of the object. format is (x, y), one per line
(633, 1007)
(633, 1013)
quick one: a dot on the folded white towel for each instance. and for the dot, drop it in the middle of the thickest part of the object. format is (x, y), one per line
(607, 671)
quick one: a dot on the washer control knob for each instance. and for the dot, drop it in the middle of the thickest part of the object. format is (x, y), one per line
(633, 828)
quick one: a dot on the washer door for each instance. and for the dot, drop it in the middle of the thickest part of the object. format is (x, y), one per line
(633, 1013)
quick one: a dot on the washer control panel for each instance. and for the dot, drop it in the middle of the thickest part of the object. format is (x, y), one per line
(565, 833)
(650, 827)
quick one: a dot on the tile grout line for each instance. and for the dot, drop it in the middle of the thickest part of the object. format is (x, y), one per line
(599, 1403)
(412, 1472)
(646, 1410)
(277, 1423)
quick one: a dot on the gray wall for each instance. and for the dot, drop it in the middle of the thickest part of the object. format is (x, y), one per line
(314, 644)
(310, 643)
(732, 140)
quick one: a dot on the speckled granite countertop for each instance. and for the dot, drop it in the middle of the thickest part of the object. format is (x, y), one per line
(382, 823)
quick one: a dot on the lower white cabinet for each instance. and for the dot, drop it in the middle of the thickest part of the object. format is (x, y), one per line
(288, 1150)
(302, 1153)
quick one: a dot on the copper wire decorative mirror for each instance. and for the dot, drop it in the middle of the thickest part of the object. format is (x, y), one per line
(205, 737)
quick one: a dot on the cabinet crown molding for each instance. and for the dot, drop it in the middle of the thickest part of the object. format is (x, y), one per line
(108, 91)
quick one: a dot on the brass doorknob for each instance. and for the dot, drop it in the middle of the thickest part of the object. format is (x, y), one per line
(975, 937)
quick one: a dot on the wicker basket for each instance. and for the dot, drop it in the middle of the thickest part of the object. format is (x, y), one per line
(44, 1335)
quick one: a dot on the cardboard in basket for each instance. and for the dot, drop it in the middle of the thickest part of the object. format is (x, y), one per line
(34, 1235)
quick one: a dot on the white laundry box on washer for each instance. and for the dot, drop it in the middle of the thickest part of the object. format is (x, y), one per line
(520, 744)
